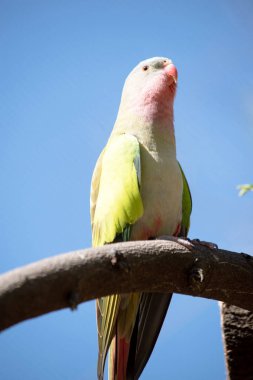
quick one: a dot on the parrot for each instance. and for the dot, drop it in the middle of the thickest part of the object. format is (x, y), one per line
(138, 192)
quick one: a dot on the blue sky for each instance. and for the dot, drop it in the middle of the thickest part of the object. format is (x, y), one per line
(62, 68)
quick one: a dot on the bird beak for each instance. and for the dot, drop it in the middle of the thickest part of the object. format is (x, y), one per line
(171, 71)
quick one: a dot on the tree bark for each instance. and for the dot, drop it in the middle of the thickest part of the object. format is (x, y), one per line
(158, 266)
(237, 325)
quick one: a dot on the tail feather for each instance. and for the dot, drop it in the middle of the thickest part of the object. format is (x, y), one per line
(100, 367)
(118, 358)
(128, 358)
(152, 310)
(123, 351)
(112, 362)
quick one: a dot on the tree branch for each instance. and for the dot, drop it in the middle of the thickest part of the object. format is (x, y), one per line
(158, 266)
(237, 326)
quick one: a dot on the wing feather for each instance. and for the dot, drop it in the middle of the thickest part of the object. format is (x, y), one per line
(186, 206)
(115, 204)
(118, 200)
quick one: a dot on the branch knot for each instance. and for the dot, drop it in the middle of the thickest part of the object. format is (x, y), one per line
(118, 261)
(196, 276)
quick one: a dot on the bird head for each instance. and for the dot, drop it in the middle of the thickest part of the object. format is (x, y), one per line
(150, 88)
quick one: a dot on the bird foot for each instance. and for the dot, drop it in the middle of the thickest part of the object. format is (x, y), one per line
(184, 241)
(207, 244)
(188, 243)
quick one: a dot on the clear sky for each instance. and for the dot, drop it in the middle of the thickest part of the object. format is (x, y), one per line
(62, 68)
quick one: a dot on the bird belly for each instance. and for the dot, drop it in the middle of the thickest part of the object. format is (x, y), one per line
(161, 191)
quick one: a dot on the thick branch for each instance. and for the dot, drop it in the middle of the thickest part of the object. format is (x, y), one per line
(159, 266)
(237, 326)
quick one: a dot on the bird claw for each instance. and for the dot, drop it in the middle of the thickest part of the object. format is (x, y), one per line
(188, 243)
(207, 244)
(184, 241)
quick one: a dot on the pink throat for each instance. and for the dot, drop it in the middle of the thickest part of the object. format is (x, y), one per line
(155, 110)
(156, 104)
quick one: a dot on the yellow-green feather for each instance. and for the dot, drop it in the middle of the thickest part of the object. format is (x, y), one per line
(115, 204)
(118, 201)
(186, 206)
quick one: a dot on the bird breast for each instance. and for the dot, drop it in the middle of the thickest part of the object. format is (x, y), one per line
(161, 191)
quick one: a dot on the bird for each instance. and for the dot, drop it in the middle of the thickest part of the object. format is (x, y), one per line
(138, 192)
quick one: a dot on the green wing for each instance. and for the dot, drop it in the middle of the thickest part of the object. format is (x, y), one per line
(118, 201)
(186, 206)
(115, 205)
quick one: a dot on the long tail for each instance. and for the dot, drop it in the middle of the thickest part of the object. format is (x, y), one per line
(152, 311)
(128, 357)
(118, 358)
(120, 346)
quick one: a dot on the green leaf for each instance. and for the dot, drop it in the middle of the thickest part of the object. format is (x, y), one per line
(244, 189)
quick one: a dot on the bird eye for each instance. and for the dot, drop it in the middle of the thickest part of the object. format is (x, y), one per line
(145, 68)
